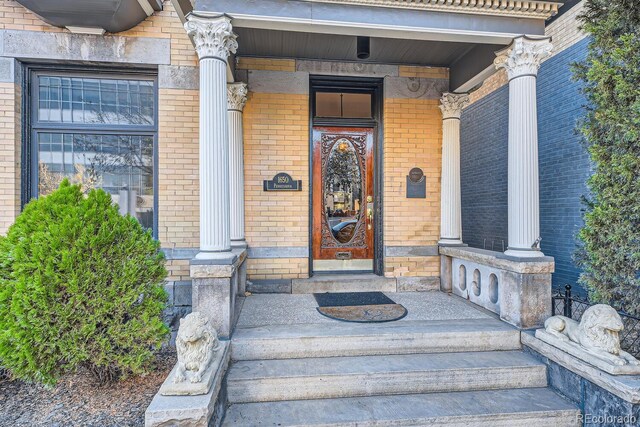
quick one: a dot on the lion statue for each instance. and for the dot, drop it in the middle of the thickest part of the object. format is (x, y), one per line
(597, 333)
(197, 342)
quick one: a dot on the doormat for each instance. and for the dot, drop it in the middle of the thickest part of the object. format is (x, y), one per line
(359, 307)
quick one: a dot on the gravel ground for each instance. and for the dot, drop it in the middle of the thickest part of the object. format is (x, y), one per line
(77, 400)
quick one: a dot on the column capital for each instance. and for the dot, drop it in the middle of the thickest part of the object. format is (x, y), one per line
(452, 104)
(236, 96)
(524, 56)
(212, 35)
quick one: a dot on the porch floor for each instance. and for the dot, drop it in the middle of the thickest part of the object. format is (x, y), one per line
(288, 309)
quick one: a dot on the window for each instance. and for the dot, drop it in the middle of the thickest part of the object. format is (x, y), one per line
(98, 131)
(343, 105)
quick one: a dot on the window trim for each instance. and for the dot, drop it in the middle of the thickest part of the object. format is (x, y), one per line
(31, 127)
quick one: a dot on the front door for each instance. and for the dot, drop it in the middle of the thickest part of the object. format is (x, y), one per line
(343, 199)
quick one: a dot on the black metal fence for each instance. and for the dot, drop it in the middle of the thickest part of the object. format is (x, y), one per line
(573, 307)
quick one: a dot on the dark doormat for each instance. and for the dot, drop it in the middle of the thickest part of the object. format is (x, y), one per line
(360, 307)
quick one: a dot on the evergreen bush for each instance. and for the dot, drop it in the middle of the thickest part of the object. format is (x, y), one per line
(80, 285)
(610, 238)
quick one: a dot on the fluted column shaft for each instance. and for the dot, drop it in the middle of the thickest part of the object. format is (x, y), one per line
(522, 60)
(450, 203)
(214, 40)
(237, 97)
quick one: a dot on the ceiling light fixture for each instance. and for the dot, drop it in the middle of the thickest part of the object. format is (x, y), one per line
(364, 47)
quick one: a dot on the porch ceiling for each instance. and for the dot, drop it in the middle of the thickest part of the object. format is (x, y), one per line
(335, 47)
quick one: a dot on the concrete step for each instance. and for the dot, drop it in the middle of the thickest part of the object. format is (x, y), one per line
(356, 339)
(538, 407)
(343, 283)
(335, 377)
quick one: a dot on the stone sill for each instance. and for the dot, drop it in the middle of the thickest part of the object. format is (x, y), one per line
(626, 387)
(501, 261)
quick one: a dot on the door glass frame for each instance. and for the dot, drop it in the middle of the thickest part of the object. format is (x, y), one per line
(373, 86)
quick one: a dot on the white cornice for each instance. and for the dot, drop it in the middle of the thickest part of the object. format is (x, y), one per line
(540, 9)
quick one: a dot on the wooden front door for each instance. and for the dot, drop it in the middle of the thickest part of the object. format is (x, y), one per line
(343, 199)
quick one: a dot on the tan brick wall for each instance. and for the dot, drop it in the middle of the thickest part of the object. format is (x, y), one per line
(412, 138)
(424, 72)
(277, 268)
(412, 266)
(178, 270)
(269, 64)
(178, 174)
(9, 154)
(276, 139)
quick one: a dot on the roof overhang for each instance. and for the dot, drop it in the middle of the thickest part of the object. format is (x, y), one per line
(93, 16)
(540, 9)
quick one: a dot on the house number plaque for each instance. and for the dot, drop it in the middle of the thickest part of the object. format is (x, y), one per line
(416, 184)
(282, 182)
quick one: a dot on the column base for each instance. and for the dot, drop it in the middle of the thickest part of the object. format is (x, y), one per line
(238, 244)
(445, 241)
(524, 253)
(214, 258)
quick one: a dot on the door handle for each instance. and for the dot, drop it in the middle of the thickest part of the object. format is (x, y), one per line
(369, 212)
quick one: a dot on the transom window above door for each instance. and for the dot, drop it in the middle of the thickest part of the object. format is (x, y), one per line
(343, 105)
(98, 130)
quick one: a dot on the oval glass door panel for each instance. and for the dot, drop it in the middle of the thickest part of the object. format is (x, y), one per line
(342, 191)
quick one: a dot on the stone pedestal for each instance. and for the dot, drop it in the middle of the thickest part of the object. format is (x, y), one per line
(519, 290)
(195, 411)
(216, 287)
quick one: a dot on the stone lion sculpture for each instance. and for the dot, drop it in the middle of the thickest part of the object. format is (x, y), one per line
(197, 342)
(597, 333)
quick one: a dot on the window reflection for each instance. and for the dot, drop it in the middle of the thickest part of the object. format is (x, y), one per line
(120, 164)
(342, 190)
(91, 100)
(97, 131)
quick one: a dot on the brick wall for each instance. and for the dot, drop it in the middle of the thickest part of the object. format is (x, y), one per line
(412, 138)
(267, 64)
(276, 139)
(564, 162)
(10, 152)
(178, 169)
(483, 171)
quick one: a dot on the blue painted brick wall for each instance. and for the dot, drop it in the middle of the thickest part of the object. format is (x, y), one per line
(564, 165)
(483, 171)
(564, 161)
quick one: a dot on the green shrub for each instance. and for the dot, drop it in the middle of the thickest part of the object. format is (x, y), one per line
(610, 238)
(80, 285)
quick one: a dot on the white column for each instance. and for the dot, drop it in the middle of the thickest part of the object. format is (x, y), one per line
(214, 40)
(237, 97)
(451, 105)
(522, 60)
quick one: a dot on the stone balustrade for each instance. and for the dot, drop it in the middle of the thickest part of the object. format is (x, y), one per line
(517, 289)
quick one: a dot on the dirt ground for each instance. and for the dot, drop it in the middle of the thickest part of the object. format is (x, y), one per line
(78, 400)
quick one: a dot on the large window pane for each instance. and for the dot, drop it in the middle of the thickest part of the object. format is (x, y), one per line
(82, 100)
(120, 164)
